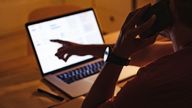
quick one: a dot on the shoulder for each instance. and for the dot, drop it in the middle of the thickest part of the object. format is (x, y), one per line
(175, 60)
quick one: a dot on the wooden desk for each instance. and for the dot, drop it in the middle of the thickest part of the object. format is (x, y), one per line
(20, 77)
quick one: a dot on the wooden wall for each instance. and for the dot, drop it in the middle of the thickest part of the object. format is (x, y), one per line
(13, 13)
(111, 13)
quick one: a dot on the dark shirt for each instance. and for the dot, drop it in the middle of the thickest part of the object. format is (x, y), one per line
(165, 83)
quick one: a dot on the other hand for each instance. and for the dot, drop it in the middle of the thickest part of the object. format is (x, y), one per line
(129, 41)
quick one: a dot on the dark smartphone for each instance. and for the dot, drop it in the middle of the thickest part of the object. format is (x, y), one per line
(163, 18)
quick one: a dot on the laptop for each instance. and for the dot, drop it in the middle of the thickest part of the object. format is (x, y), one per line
(76, 76)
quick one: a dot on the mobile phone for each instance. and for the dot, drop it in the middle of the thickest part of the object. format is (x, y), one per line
(163, 18)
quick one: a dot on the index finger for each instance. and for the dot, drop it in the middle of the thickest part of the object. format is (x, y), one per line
(57, 40)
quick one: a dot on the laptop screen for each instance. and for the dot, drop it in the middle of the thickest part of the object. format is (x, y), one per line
(80, 27)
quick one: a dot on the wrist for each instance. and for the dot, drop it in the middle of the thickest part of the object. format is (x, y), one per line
(116, 59)
(122, 54)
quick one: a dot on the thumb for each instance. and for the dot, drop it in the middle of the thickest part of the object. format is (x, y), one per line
(66, 57)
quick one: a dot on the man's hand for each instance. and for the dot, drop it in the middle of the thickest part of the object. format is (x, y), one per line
(68, 49)
(129, 40)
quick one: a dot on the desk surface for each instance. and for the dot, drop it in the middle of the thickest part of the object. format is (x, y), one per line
(20, 77)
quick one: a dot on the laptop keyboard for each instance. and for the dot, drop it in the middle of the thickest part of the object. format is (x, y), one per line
(82, 72)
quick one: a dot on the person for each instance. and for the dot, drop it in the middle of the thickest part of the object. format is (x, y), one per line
(165, 83)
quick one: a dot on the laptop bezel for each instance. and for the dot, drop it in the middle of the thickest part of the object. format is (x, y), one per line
(55, 17)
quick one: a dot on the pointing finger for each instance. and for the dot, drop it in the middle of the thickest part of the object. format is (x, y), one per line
(57, 40)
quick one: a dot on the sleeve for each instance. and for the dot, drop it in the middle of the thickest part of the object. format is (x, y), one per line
(107, 104)
(133, 94)
(140, 91)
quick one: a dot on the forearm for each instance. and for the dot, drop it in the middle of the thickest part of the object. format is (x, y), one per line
(104, 86)
(97, 50)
